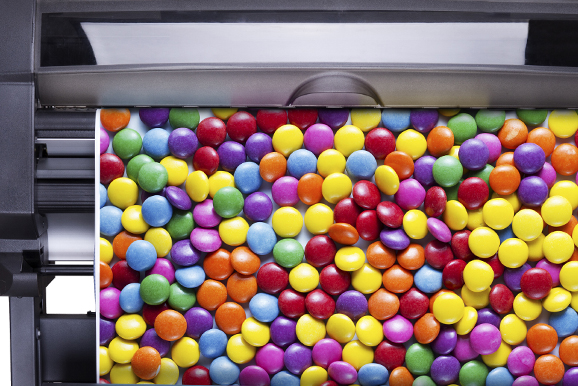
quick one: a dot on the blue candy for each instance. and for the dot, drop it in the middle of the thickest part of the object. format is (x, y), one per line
(361, 164)
(396, 119)
(247, 177)
(506, 233)
(372, 374)
(155, 143)
(157, 211)
(141, 255)
(190, 277)
(428, 280)
(564, 322)
(261, 238)
(284, 378)
(224, 372)
(102, 195)
(264, 307)
(213, 343)
(301, 162)
(500, 376)
(130, 300)
(110, 223)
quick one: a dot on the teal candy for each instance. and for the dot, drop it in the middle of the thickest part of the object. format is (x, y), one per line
(424, 380)
(127, 143)
(447, 171)
(135, 164)
(463, 126)
(180, 225)
(181, 298)
(228, 202)
(154, 289)
(288, 253)
(532, 117)
(419, 358)
(153, 177)
(490, 121)
(473, 373)
(184, 117)
(484, 174)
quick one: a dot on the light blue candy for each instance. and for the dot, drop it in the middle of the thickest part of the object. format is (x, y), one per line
(224, 372)
(155, 143)
(500, 376)
(247, 177)
(505, 234)
(564, 322)
(372, 374)
(396, 119)
(428, 280)
(285, 378)
(264, 307)
(213, 343)
(157, 211)
(130, 300)
(301, 162)
(102, 194)
(361, 165)
(190, 277)
(141, 255)
(110, 224)
(261, 238)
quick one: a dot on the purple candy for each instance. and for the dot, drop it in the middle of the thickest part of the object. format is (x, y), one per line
(423, 170)
(283, 331)
(326, 351)
(270, 358)
(474, 154)
(206, 240)
(183, 143)
(485, 339)
(553, 270)
(521, 361)
(446, 341)
(178, 198)
(351, 303)
(445, 370)
(334, 118)
(109, 303)
(548, 174)
(154, 117)
(198, 320)
(493, 144)
(424, 120)
(254, 376)
(410, 194)
(398, 329)
(529, 158)
(533, 191)
(205, 215)
(297, 358)
(284, 191)
(571, 377)
(231, 154)
(150, 338)
(164, 268)
(439, 230)
(104, 140)
(257, 207)
(318, 138)
(513, 276)
(107, 331)
(395, 239)
(184, 254)
(526, 380)
(257, 146)
(342, 372)
(487, 315)
(464, 351)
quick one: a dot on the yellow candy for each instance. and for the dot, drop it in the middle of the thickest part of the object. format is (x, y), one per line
(569, 276)
(513, 253)
(335, 187)
(130, 326)
(239, 350)
(365, 119)
(160, 239)
(105, 363)
(122, 350)
(455, 152)
(144, 383)
(525, 308)
(349, 258)
(366, 279)
(574, 301)
(224, 113)
(287, 139)
(304, 278)
(448, 112)
(369, 331)
(527, 224)
(106, 251)
(557, 300)
(512, 199)
(133, 221)
(348, 139)
(386, 180)
(357, 354)
(558, 247)
(233, 231)
(177, 170)
(415, 224)
(455, 216)
(309, 330)
(197, 186)
(498, 213)
(498, 358)
(123, 192)
(476, 299)
(563, 123)
(478, 275)
(255, 333)
(513, 329)
(318, 219)
(467, 323)
(169, 373)
(313, 376)
(475, 219)
(330, 161)
(122, 373)
(341, 328)
(219, 180)
(185, 352)
(556, 211)
(287, 222)
(448, 308)
(566, 189)
(411, 142)
(484, 242)
(535, 248)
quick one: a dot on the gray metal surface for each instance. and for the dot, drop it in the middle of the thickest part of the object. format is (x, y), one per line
(65, 168)
(70, 236)
(24, 315)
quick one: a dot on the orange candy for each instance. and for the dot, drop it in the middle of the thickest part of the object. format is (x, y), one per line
(565, 159)
(343, 233)
(170, 325)
(121, 242)
(400, 376)
(380, 256)
(397, 279)
(211, 294)
(245, 261)
(513, 133)
(506, 158)
(548, 369)
(146, 363)
(504, 179)
(412, 258)
(544, 138)
(440, 141)
(217, 265)
(401, 163)
(309, 188)
(383, 304)
(272, 166)
(541, 338)
(567, 228)
(426, 328)
(241, 288)
(114, 119)
(230, 317)
(105, 275)
(568, 350)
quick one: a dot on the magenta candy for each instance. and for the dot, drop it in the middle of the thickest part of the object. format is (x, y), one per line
(423, 170)
(526, 380)
(205, 215)
(297, 358)
(178, 198)
(493, 144)
(284, 191)
(318, 138)
(410, 194)
(270, 358)
(424, 120)
(326, 351)
(398, 329)
(521, 361)
(104, 140)
(342, 372)
(485, 339)
(164, 268)
(206, 240)
(257, 207)
(553, 270)
(439, 230)
(548, 174)
(254, 376)
(464, 351)
(109, 304)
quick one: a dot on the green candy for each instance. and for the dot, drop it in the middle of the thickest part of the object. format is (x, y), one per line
(154, 289)
(484, 174)
(228, 202)
(419, 358)
(181, 224)
(532, 117)
(424, 380)
(134, 165)
(184, 117)
(127, 143)
(152, 177)
(463, 126)
(490, 121)
(473, 373)
(452, 191)
(288, 253)
(447, 171)
(181, 298)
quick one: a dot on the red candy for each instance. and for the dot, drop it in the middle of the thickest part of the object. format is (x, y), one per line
(346, 211)
(272, 278)
(241, 126)
(320, 250)
(319, 304)
(379, 142)
(390, 355)
(206, 160)
(197, 375)
(501, 299)
(122, 275)
(291, 303)
(453, 274)
(211, 132)
(302, 118)
(111, 167)
(270, 120)
(366, 194)
(496, 265)
(413, 304)
(460, 246)
(435, 201)
(536, 283)
(150, 313)
(368, 225)
(473, 193)
(438, 254)
(333, 280)
(390, 214)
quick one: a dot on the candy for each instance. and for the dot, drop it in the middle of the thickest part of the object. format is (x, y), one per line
(318, 219)
(184, 117)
